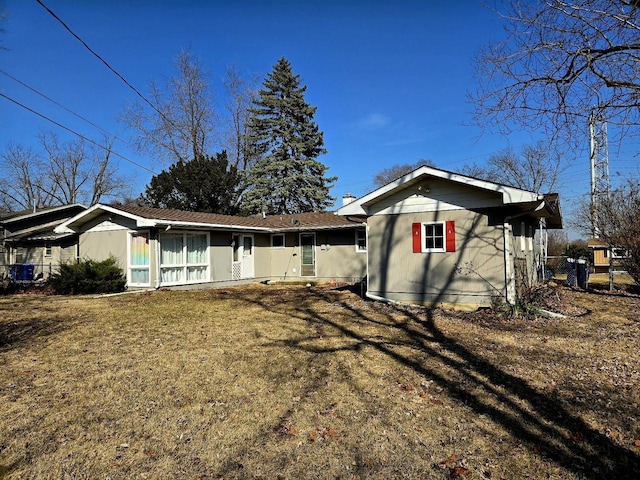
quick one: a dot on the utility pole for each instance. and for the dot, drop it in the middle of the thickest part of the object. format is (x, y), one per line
(599, 176)
(599, 167)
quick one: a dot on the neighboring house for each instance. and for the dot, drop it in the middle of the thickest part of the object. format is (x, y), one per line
(605, 257)
(439, 238)
(29, 240)
(159, 247)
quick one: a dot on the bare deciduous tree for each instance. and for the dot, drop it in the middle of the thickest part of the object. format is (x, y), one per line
(181, 127)
(536, 168)
(619, 224)
(557, 241)
(65, 173)
(396, 171)
(559, 60)
(240, 95)
(21, 178)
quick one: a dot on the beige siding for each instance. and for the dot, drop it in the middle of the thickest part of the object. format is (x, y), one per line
(221, 256)
(66, 253)
(524, 253)
(435, 195)
(4, 261)
(285, 262)
(105, 237)
(472, 275)
(262, 255)
(29, 254)
(100, 245)
(335, 256)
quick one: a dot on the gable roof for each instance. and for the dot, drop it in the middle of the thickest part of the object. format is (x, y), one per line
(13, 217)
(29, 225)
(160, 217)
(546, 205)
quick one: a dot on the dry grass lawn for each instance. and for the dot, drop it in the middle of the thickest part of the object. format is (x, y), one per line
(289, 383)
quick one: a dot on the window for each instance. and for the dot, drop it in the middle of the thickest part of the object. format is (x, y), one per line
(47, 249)
(21, 254)
(277, 240)
(247, 246)
(434, 237)
(183, 258)
(236, 248)
(618, 253)
(361, 241)
(139, 259)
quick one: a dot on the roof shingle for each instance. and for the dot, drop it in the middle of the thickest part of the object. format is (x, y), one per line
(300, 221)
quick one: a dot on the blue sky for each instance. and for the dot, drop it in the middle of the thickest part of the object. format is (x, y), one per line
(389, 78)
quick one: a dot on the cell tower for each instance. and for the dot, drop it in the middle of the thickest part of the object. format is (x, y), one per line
(599, 167)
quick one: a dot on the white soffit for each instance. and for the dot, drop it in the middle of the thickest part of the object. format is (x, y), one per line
(510, 195)
(95, 211)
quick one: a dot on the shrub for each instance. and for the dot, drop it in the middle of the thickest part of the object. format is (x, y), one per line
(89, 276)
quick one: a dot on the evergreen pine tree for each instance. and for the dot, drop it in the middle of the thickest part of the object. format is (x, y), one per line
(203, 184)
(288, 178)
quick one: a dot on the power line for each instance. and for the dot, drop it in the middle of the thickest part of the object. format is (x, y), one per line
(65, 108)
(103, 61)
(76, 133)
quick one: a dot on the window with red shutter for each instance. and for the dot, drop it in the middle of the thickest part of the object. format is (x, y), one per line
(432, 237)
(451, 236)
(416, 231)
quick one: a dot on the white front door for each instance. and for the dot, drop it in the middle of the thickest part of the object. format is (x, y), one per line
(242, 266)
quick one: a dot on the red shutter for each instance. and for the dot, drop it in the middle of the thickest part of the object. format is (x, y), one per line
(417, 237)
(450, 228)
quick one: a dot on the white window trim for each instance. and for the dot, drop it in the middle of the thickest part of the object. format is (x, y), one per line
(366, 243)
(184, 265)
(618, 253)
(283, 241)
(49, 247)
(314, 252)
(423, 237)
(130, 266)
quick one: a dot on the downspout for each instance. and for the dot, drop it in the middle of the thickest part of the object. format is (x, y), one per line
(509, 274)
(543, 248)
(156, 251)
(509, 280)
(366, 286)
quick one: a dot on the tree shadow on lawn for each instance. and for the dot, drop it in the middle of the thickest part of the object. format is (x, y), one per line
(16, 332)
(534, 418)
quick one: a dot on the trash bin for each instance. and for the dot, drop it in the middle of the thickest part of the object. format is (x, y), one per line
(22, 272)
(578, 272)
(571, 272)
(27, 272)
(582, 273)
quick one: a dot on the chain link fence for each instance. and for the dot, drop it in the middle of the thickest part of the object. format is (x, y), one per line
(578, 272)
(28, 272)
